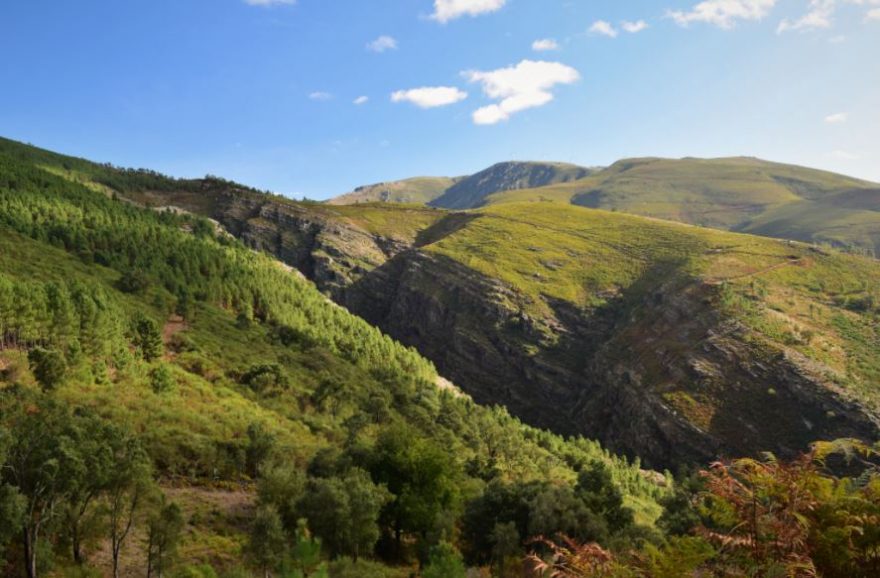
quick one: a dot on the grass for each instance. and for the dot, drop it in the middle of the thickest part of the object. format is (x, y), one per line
(732, 193)
(420, 190)
(794, 296)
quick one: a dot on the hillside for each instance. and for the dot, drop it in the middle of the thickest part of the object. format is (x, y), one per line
(738, 194)
(419, 190)
(665, 341)
(472, 191)
(238, 392)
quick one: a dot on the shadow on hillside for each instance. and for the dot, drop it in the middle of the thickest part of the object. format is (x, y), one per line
(556, 373)
(444, 227)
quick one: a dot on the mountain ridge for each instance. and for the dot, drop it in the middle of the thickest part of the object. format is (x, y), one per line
(539, 296)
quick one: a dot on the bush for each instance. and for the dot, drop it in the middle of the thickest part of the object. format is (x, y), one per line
(444, 562)
(348, 568)
(195, 571)
(162, 380)
(264, 377)
(134, 281)
(48, 365)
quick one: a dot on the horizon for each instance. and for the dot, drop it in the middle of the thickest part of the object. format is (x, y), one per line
(314, 99)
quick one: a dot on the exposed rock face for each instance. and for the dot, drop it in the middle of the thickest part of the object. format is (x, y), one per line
(658, 372)
(332, 254)
(614, 374)
(472, 191)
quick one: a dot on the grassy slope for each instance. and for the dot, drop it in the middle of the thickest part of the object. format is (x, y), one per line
(789, 293)
(472, 191)
(421, 190)
(209, 409)
(732, 193)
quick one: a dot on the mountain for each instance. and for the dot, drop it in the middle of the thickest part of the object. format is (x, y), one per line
(472, 191)
(665, 341)
(135, 331)
(421, 190)
(737, 194)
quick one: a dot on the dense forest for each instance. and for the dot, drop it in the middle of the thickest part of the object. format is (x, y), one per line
(150, 363)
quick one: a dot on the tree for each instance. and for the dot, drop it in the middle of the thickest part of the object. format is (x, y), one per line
(128, 486)
(147, 338)
(281, 486)
(12, 511)
(260, 445)
(48, 365)
(597, 490)
(305, 556)
(506, 549)
(344, 512)
(444, 561)
(163, 535)
(95, 445)
(558, 510)
(134, 281)
(422, 477)
(12, 504)
(267, 541)
(42, 463)
(161, 379)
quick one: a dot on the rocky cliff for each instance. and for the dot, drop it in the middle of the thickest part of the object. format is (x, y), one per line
(657, 370)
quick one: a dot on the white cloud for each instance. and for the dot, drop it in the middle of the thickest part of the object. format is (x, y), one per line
(269, 2)
(603, 28)
(836, 118)
(320, 95)
(361, 100)
(819, 15)
(845, 155)
(517, 88)
(544, 45)
(430, 96)
(446, 10)
(633, 27)
(382, 44)
(723, 13)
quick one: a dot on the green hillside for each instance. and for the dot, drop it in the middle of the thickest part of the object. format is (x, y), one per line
(740, 194)
(242, 395)
(421, 190)
(472, 191)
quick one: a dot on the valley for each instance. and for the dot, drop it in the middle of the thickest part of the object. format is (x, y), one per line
(669, 344)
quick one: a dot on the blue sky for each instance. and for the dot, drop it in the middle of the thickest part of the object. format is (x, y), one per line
(264, 91)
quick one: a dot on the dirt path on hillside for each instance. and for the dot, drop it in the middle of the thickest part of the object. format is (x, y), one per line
(797, 262)
(172, 327)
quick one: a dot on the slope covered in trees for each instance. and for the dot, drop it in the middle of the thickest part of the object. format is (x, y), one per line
(150, 365)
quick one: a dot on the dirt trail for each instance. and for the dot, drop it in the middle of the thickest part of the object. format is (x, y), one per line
(788, 263)
(173, 326)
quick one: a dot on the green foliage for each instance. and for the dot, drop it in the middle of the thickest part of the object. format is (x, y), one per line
(348, 568)
(12, 512)
(48, 365)
(163, 536)
(147, 337)
(344, 512)
(259, 399)
(305, 555)
(444, 561)
(267, 542)
(265, 377)
(423, 478)
(161, 379)
(196, 571)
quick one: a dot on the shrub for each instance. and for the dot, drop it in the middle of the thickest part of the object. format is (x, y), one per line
(161, 379)
(48, 365)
